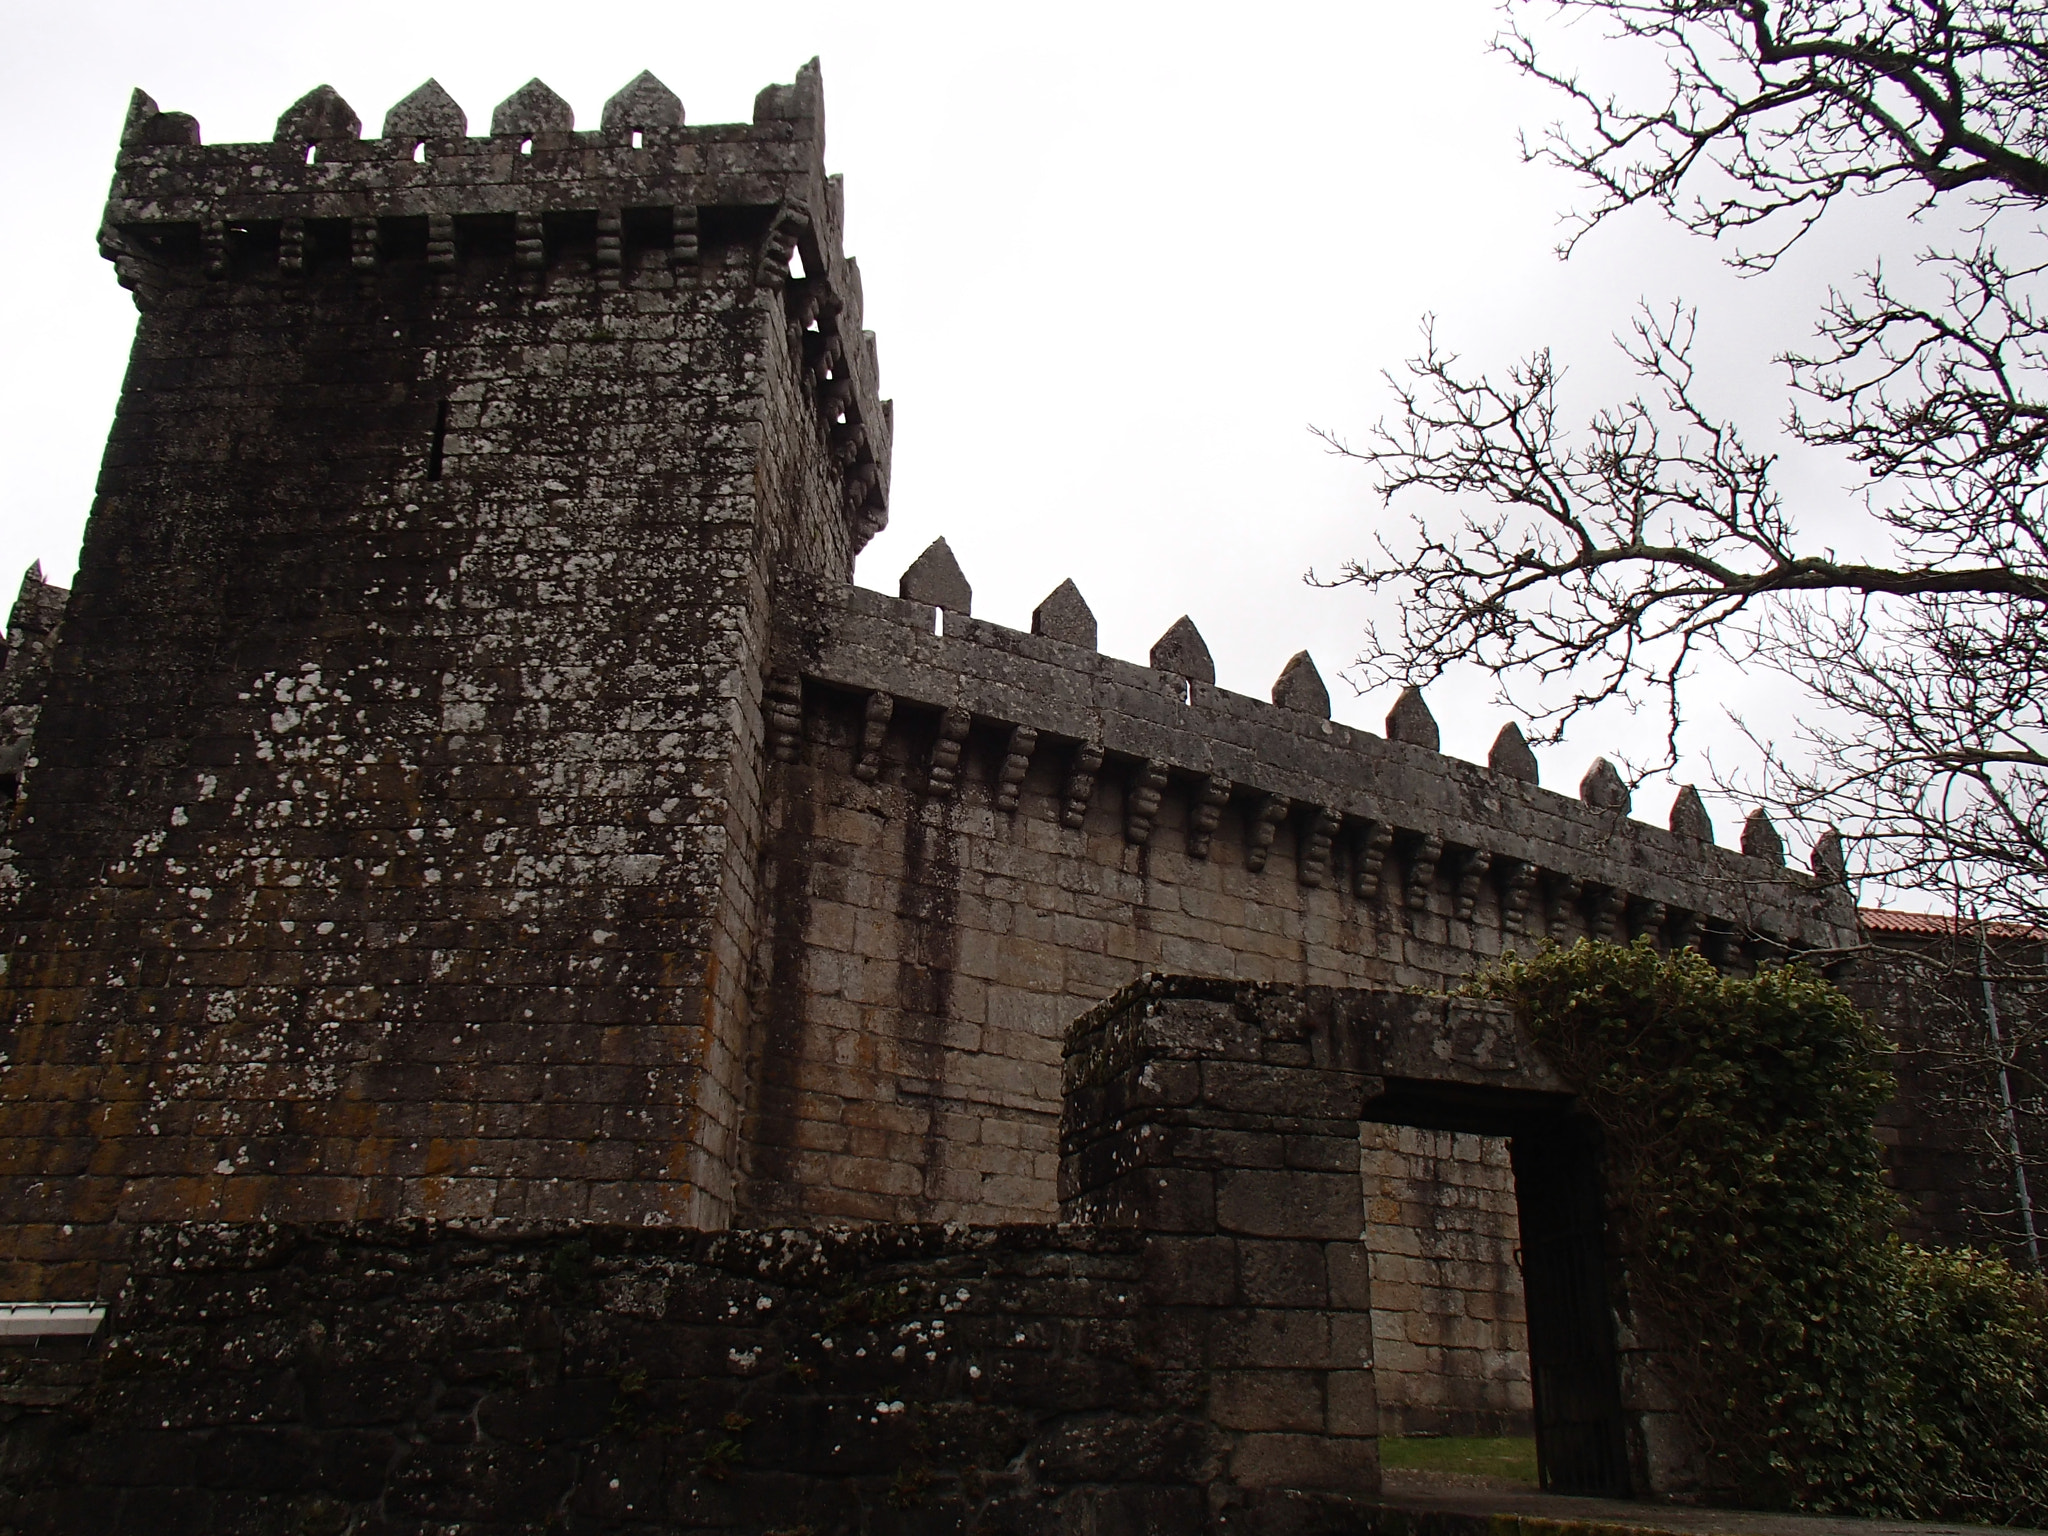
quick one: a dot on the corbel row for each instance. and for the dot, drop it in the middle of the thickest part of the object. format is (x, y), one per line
(367, 246)
(814, 312)
(1532, 899)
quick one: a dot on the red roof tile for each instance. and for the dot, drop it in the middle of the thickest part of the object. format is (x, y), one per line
(1874, 920)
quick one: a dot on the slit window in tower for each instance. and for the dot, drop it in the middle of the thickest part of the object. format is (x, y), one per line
(440, 442)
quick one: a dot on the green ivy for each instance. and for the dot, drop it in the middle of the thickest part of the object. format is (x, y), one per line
(1825, 1365)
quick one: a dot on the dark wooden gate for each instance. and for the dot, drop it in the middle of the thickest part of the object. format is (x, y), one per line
(1581, 1445)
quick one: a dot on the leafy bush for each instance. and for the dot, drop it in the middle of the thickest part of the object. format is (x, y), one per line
(1824, 1365)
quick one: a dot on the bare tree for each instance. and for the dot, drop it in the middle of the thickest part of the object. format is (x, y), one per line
(1605, 557)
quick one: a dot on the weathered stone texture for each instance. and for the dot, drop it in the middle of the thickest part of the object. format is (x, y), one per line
(468, 788)
(391, 845)
(924, 947)
(1450, 1342)
(413, 1380)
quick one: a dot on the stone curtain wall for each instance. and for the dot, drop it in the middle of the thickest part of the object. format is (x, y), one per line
(388, 847)
(975, 835)
(1450, 1341)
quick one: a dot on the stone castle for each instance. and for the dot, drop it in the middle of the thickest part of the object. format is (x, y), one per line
(465, 792)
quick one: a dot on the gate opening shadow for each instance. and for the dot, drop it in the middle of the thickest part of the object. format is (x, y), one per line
(1581, 1438)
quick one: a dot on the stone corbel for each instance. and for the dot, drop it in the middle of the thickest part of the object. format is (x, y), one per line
(1313, 868)
(213, 244)
(1561, 899)
(440, 243)
(1080, 784)
(1610, 906)
(684, 251)
(362, 254)
(1422, 862)
(610, 257)
(1473, 869)
(779, 244)
(1261, 828)
(785, 716)
(1371, 859)
(954, 725)
(529, 250)
(1517, 890)
(1686, 930)
(291, 246)
(1206, 814)
(1142, 808)
(867, 765)
(1016, 764)
(1647, 917)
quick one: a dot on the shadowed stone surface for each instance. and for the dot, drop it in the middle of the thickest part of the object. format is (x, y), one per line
(1300, 687)
(1510, 756)
(935, 577)
(1410, 721)
(1183, 652)
(1065, 615)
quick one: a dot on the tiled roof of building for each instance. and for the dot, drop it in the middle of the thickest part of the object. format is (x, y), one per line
(1937, 924)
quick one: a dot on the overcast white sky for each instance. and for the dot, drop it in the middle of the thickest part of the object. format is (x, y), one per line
(1119, 257)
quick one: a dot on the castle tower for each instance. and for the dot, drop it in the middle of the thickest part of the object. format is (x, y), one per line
(386, 846)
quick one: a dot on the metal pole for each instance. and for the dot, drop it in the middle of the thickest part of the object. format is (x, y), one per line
(2012, 1125)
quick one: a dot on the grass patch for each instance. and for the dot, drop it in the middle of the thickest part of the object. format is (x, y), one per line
(1507, 1456)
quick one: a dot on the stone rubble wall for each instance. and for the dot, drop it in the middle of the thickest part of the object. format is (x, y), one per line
(408, 1379)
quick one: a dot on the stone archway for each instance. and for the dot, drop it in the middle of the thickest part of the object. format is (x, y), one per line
(1581, 1434)
(1221, 1119)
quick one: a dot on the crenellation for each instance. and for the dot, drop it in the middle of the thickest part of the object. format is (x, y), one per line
(1603, 787)
(1760, 840)
(1689, 817)
(1510, 756)
(425, 114)
(1410, 721)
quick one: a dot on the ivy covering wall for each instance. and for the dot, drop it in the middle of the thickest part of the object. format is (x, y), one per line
(1826, 1365)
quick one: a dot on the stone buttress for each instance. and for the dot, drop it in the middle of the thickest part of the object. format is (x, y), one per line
(386, 846)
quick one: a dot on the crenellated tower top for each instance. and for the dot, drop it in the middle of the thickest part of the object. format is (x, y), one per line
(643, 198)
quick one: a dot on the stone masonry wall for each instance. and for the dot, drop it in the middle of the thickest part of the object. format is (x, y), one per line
(1450, 1341)
(974, 836)
(389, 842)
(407, 1379)
(1190, 1350)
